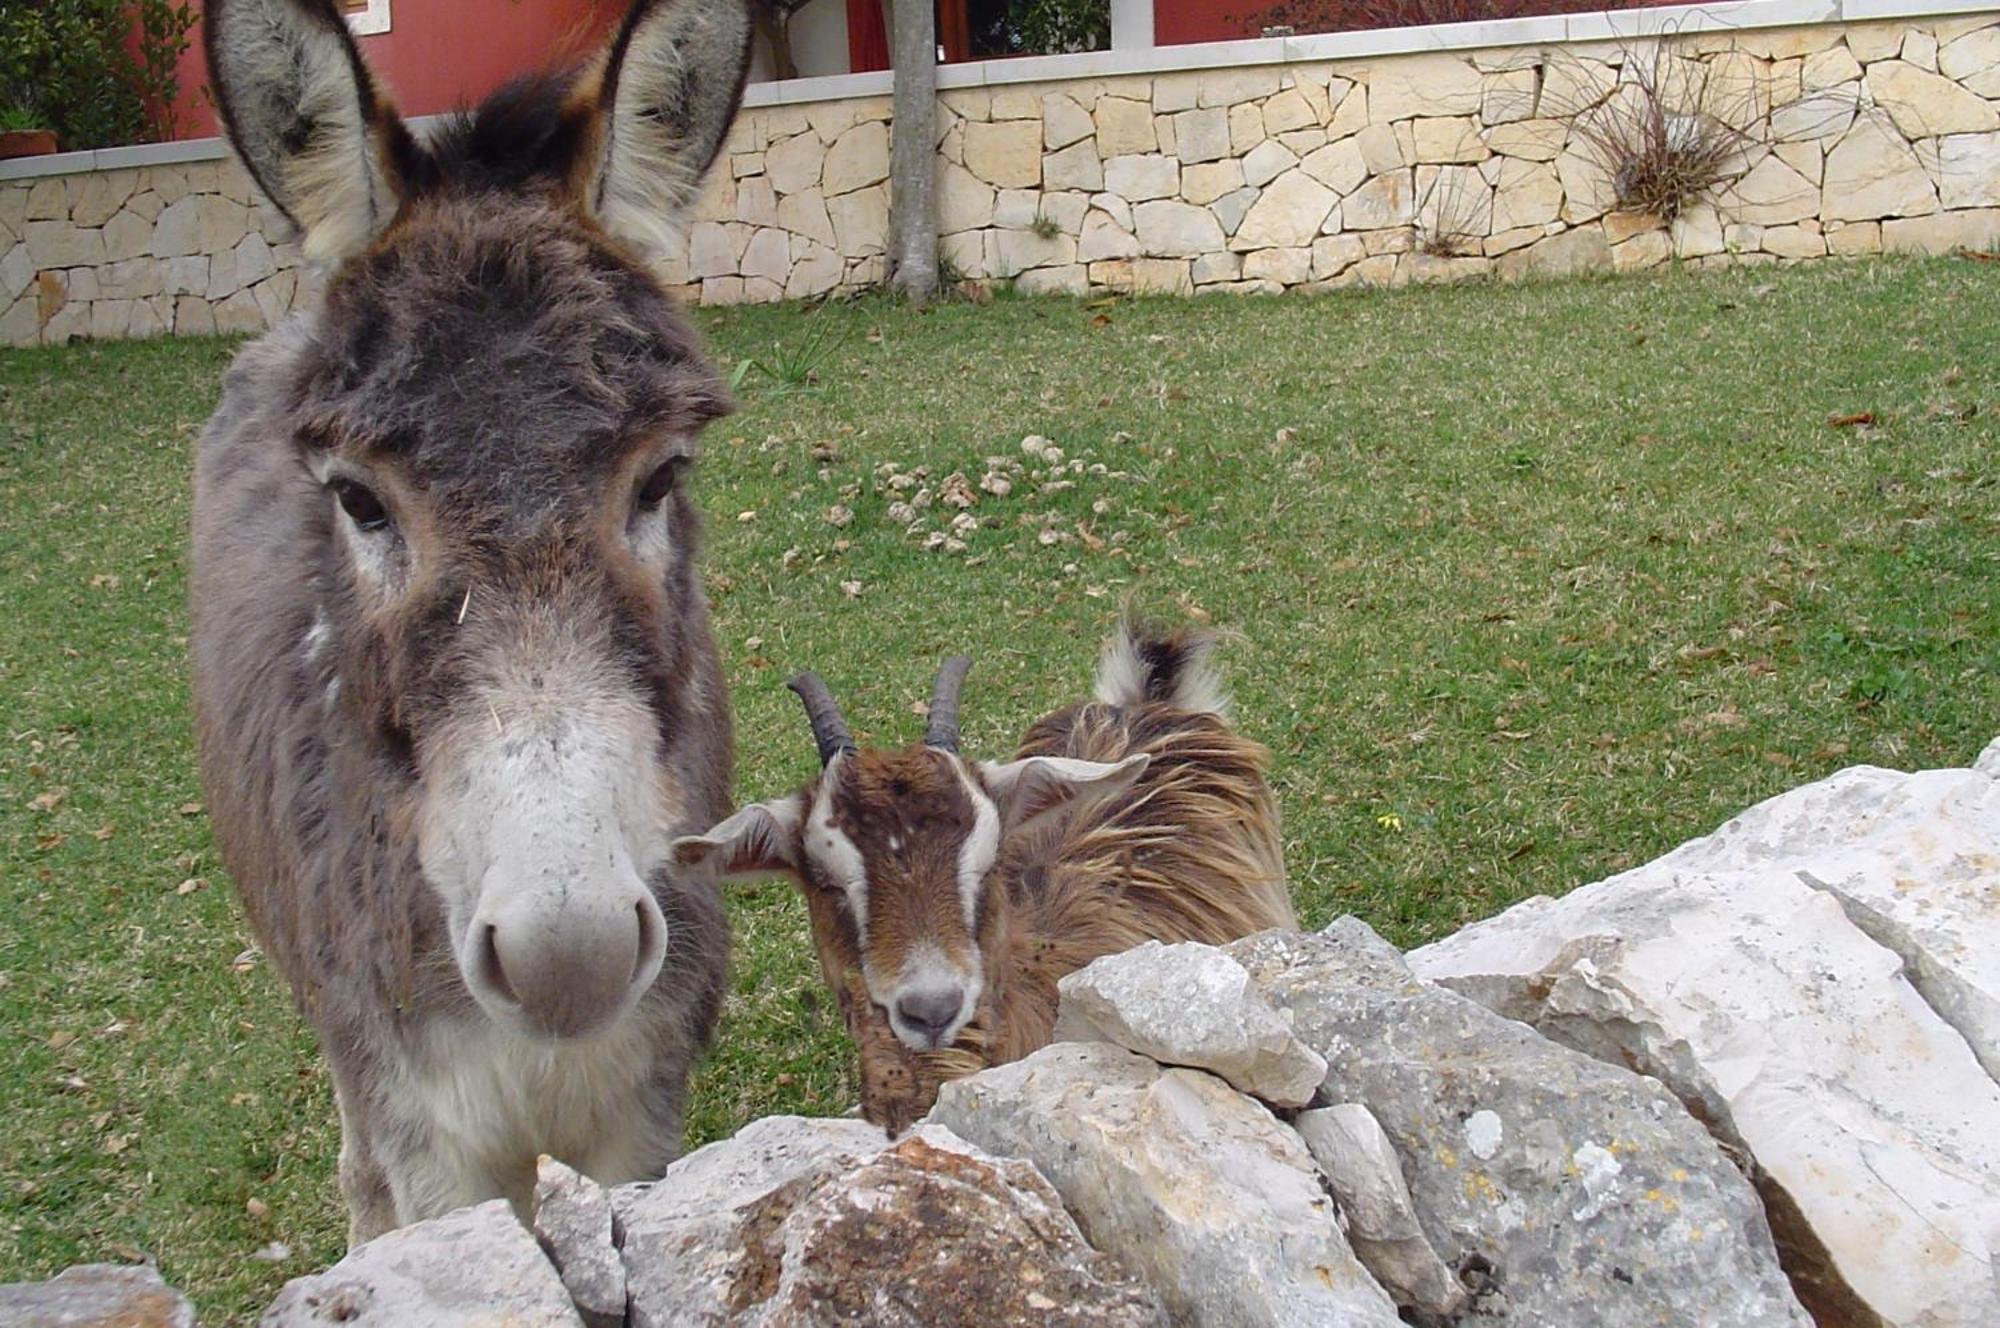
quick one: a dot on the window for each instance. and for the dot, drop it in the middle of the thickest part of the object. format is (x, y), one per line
(365, 18)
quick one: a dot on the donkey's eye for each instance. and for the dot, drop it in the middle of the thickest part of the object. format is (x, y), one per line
(661, 482)
(363, 508)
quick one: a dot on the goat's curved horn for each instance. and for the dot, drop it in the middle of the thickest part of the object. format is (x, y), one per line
(823, 713)
(942, 730)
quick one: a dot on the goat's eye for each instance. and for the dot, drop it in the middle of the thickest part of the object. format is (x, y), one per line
(363, 508)
(661, 482)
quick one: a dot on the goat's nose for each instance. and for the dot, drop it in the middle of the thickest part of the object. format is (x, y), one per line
(930, 1013)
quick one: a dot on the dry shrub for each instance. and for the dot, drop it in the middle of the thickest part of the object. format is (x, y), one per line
(1454, 212)
(1668, 133)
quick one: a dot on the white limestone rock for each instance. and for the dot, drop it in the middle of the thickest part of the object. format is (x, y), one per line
(96, 1295)
(857, 159)
(1064, 122)
(1074, 167)
(1201, 135)
(1004, 153)
(1772, 194)
(1209, 181)
(17, 272)
(1289, 213)
(1338, 166)
(1385, 201)
(1168, 228)
(1124, 127)
(1104, 238)
(1571, 1192)
(1923, 104)
(1286, 267)
(1973, 60)
(794, 164)
(796, 1223)
(1818, 978)
(1569, 254)
(1823, 114)
(59, 244)
(1191, 1004)
(1441, 84)
(1969, 170)
(1873, 173)
(574, 1228)
(1194, 1187)
(474, 1268)
(1361, 1165)
(1138, 178)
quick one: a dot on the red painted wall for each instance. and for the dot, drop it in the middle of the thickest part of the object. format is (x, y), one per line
(442, 54)
(1177, 22)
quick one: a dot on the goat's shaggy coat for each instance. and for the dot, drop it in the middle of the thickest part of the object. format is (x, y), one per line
(454, 680)
(1188, 849)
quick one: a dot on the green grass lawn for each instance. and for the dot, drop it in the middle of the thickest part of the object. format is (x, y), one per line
(1525, 586)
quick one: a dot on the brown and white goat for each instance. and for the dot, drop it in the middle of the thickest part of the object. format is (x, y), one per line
(948, 896)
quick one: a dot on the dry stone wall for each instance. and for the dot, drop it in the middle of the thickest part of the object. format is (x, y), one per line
(1844, 138)
(140, 251)
(1748, 1085)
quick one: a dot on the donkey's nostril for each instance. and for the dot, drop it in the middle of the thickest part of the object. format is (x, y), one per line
(490, 968)
(930, 1013)
(652, 942)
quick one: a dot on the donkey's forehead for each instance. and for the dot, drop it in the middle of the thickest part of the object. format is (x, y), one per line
(503, 336)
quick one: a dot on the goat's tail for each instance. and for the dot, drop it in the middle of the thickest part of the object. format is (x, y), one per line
(1144, 663)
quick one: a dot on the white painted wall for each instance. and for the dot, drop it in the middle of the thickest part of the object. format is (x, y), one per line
(819, 42)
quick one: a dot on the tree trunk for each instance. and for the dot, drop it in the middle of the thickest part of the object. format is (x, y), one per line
(912, 163)
(776, 26)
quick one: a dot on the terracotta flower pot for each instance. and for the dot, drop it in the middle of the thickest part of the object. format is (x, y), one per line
(27, 142)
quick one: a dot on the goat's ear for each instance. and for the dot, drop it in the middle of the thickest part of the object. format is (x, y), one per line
(760, 840)
(669, 91)
(306, 118)
(1036, 789)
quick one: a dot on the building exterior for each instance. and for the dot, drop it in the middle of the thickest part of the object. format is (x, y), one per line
(1261, 165)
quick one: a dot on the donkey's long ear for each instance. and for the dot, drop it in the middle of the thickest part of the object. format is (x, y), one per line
(671, 84)
(306, 118)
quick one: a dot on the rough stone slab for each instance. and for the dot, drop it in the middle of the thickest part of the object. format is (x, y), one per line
(574, 1228)
(474, 1268)
(1731, 971)
(1198, 1189)
(1361, 1165)
(1915, 861)
(1564, 1190)
(1190, 1004)
(1572, 253)
(96, 1295)
(821, 1222)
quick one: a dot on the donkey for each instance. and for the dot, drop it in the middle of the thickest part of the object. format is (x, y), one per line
(949, 896)
(454, 682)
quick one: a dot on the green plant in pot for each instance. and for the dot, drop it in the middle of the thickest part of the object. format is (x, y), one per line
(98, 73)
(24, 132)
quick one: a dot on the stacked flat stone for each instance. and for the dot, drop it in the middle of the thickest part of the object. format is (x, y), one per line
(1435, 166)
(141, 251)
(1855, 138)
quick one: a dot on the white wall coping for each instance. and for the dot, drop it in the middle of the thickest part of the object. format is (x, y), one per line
(1545, 29)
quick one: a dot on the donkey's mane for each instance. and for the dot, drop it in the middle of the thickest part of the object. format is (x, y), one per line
(527, 132)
